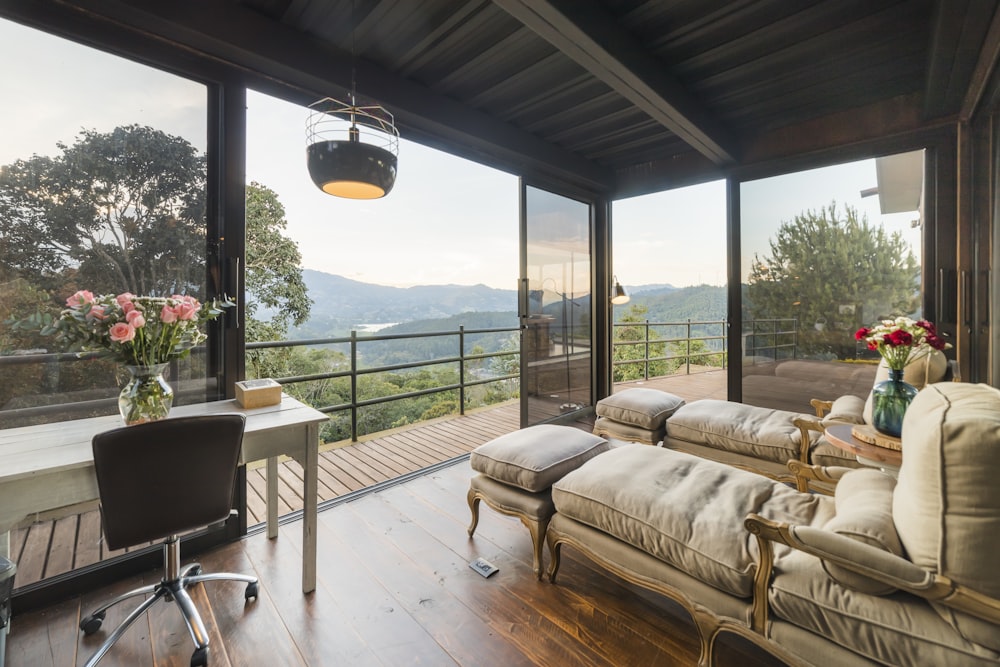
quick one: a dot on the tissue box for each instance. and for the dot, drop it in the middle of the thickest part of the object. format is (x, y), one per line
(258, 393)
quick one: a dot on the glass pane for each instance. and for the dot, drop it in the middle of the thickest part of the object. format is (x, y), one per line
(102, 188)
(826, 252)
(670, 254)
(557, 338)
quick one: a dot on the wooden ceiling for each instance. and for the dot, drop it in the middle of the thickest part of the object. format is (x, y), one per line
(608, 96)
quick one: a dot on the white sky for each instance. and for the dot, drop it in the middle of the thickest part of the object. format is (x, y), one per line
(448, 220)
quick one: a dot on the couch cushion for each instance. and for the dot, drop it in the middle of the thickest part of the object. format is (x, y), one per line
(609, 428)
(645, 408)
(897, 629)
(946, 505)
(763, 433)
(534, 457)
(682, 509)
(863, 499)
(824, 453)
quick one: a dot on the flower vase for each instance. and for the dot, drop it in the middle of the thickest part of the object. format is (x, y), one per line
(890, 398)
(146, 396)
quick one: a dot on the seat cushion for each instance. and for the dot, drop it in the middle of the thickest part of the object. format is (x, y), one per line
(683, 510)
(534, 457)
(609, 428)
(644, 408)
(824, 453)
(762, 433)
(897, 629)
(863, 499)
(946, 505)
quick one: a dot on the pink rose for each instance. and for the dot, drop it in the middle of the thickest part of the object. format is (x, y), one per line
(96, 312)
(122, 332)
(187, 310)
(168, 315)
(80, 298)
(135, 318)
(125, 301)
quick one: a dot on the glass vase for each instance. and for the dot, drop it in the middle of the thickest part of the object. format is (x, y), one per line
(890, 398)
(146, 396)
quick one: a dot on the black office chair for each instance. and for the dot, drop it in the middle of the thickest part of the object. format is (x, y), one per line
(157, 480)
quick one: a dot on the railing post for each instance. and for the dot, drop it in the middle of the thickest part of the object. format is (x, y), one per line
(461, 369)
(354, 386)
(687, 365)
(725, 343)
(645, 364)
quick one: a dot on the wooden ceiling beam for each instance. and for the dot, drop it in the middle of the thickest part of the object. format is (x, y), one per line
(958, 41)
(595, 40)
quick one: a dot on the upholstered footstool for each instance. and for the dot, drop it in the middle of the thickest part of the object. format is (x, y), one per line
(517, 470)
(635, 415)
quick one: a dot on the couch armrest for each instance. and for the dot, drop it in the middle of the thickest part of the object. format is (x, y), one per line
(820, 406)
(860, 558)
(807, 473)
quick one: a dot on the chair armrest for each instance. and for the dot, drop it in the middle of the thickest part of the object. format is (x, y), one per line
(863, 559)
(820, 406)
(805, 425)
(807, 473)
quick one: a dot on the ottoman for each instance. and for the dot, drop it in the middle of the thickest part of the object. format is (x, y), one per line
(517, 470)
(635, 415)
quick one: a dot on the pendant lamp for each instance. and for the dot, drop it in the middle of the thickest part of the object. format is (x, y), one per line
(618, 294)
(352, 149)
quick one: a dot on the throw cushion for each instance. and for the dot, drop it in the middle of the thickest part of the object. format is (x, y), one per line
(946, 505)
(864, 513)
(645, 408)
(535, 457)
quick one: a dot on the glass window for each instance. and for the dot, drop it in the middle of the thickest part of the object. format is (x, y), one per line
(825, 252)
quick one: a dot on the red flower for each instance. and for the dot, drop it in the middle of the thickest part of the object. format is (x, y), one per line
(862, 333)
(899, 338)
(926, 326)
(935, 341)
(873, 346)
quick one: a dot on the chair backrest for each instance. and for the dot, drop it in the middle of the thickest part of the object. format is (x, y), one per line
(165, 477)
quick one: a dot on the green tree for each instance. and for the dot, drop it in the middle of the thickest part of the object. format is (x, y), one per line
(636, 351)
(274, 283)
(830, 270)
(116, 211)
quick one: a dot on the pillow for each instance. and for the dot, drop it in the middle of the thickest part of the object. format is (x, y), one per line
(535, 457)
(645, 408)
(863, 499)
(847, 409)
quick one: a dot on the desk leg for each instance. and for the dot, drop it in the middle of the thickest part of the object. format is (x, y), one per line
(272, 497)
(310, 492)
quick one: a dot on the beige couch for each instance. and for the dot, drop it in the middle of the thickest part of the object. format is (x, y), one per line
(884, 572)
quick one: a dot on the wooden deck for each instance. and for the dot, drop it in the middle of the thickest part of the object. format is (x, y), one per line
(393, 588)
(48, 548)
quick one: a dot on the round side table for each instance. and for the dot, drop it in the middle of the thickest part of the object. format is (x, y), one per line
(885, 459)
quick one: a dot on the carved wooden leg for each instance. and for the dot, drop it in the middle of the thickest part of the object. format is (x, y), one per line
(554, 547)
(537, 529)
(474, 508)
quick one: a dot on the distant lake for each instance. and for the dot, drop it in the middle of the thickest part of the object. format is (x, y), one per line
(372, 328)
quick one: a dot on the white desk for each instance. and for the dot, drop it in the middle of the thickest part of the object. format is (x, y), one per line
(51, 466)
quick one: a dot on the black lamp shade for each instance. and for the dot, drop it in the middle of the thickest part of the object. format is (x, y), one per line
(351, 169)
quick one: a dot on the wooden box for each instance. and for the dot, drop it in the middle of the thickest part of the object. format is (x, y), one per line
(258, 393)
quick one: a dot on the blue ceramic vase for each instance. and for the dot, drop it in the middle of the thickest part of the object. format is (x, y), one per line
(890, 398)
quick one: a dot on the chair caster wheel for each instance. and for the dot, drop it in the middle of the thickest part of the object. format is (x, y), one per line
(200, 657)
(92, 623)
(251, 591)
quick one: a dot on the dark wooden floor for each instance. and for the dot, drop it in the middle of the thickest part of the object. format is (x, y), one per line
(394, 588)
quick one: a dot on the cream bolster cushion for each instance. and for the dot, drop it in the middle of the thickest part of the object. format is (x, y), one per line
(863, 499)
(535, 457)
(847, 409)
(680, 509)
(896, 570)
(645, 408)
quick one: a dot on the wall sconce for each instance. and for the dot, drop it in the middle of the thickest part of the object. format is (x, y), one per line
(618, 294)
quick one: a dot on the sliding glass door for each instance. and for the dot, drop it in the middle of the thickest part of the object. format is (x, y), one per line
(555, 312)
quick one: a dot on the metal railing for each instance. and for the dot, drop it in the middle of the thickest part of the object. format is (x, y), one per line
(766, 337)
(353, 372)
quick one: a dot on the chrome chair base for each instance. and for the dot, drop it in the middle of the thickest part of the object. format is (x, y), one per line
(173, 587)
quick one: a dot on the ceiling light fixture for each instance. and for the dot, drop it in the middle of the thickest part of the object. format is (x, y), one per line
(352, 149)
(618, 294)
